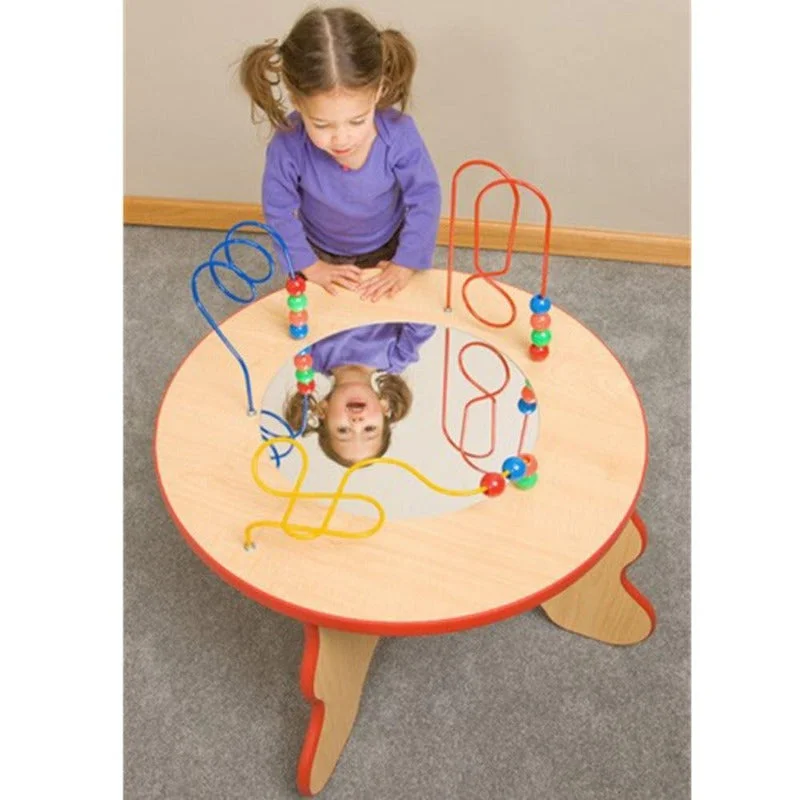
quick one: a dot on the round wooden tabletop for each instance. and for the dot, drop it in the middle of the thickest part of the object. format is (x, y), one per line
(419, 575)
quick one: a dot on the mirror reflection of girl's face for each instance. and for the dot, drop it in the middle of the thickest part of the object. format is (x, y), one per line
(355, 418)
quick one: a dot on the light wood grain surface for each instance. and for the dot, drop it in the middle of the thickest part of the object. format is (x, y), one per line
(340, 672)
(599, 605)
(592, 453)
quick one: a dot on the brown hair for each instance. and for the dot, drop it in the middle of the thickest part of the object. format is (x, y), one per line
(391, 388)
(328, 49)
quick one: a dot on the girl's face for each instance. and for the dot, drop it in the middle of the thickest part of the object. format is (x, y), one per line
(355, 418)
(341, 122)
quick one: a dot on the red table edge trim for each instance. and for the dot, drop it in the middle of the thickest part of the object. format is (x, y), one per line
(428, 627)
(628, 586)
(308, 670)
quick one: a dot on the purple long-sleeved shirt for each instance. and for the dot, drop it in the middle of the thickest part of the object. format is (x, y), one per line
(386, 346)
(306, 194)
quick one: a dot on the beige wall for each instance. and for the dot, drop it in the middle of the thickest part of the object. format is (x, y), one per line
(588, 99)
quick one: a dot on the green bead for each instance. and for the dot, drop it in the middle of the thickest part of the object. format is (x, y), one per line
(541, 338)
(297, 302)
(304, 375)
(528, 482)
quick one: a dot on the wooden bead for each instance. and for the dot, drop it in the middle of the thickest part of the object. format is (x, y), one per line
(297, 302)
(298, 317)
(296, 286)
(493, 483)
(539, 304)
(528, 395)
(538, 353)
(306, 388)
(528, 482)
(515, 467)
(540, 322)
(531, 465)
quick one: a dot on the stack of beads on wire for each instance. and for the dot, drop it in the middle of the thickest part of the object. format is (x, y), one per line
(521, 469)
(304, 372)
(540, 324)
(297, 302)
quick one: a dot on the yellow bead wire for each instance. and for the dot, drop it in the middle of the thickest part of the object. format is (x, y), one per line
(306, 532)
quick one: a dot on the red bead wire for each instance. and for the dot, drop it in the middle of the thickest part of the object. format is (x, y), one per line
(513, 183)
(491, 396)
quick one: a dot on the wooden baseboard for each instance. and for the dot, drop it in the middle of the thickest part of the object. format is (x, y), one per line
(582, 242)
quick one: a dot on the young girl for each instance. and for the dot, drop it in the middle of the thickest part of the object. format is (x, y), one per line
(348, 181)
(354, 420)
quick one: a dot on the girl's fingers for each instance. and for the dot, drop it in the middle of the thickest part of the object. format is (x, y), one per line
(350, 271)
(350, 277)
(379, 290)
(348, 283)
(368, 286)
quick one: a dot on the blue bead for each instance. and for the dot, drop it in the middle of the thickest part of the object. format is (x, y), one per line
(539, 304)
(306, 351)
(298, 331)
(515, 467)
(526, 408)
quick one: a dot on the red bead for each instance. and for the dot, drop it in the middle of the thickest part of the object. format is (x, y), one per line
(306, 388)
(302, 362)
(530, 460)
(540, 322)
(538, 353)
(493, 483)
(295, 286)
(528, 395)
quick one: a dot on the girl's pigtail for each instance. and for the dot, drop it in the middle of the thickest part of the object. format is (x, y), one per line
(399, 63)
(395, 390)
(293, 412)
(260, 74)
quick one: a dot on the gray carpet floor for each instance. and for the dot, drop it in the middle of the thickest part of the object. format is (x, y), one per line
(519, 709)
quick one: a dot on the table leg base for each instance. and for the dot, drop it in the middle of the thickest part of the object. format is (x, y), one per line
(603, 604)
(332, 675)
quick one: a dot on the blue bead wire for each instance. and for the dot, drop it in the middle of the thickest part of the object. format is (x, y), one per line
(215, 263)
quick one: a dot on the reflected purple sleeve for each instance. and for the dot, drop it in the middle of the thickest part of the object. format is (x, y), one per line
(388, 347)
(405, 350)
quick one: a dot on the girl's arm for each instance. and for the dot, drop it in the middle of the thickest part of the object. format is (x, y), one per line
(281, 202)
(280, 199)
(422, 197)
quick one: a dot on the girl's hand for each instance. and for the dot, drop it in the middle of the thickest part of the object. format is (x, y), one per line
(392, 279)
(329, 276)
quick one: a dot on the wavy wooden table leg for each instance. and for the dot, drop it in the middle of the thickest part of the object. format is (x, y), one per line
(332, 676)
(603, 604)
